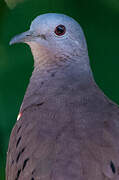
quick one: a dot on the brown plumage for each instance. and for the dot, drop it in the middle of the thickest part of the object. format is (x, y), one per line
(67, 128)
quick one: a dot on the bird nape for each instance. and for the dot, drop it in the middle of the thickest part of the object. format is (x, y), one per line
(67, 128)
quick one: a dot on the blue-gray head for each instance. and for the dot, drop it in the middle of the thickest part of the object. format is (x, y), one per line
(54, 35)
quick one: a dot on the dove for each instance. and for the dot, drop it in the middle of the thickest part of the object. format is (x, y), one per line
(67, 128)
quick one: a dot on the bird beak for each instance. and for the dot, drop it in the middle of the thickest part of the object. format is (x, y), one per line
(22, 38)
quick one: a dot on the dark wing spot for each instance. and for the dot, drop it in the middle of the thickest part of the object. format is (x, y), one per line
(40, 104)
(18, 129)
(18, 141)
(32, 178)
(25, 162)
(42, 83)
(33, 171)
(18, 174)
(19, 154)
(53, 74)
(12, 162)
(112, 167)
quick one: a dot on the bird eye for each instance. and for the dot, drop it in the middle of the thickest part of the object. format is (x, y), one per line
(60, 30)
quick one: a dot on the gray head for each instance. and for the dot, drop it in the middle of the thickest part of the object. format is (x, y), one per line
(56, 35)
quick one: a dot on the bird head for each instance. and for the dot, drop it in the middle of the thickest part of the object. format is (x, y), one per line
(56, 35)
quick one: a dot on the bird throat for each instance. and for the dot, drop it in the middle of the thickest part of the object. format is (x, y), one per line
(55, 78)
(42, 56)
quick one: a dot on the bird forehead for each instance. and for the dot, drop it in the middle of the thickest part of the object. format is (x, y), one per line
(51, 20)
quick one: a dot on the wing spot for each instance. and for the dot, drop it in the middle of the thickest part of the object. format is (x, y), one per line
(113, 167)
(33, 171)
(12, 162)
(25, 162)
(32, 178)
(18, 174)
(18, 141)
(53, 75)
(18, 129)
(18, 156)
(40, 104)
(42, 83)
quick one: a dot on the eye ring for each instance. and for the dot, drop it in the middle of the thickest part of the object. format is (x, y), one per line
(60, 30)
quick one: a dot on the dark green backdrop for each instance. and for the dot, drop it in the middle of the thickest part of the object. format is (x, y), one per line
(100, 21)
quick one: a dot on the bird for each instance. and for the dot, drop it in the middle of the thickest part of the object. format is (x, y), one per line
(67, 128)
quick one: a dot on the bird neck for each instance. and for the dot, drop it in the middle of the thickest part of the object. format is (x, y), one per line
(53, 79)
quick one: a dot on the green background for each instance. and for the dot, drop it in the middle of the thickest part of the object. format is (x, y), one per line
(100, 21)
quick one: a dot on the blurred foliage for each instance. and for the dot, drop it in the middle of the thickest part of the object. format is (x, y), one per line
(114, 4)
(12, 3)
(99, 20)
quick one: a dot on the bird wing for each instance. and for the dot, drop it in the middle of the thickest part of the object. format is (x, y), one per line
(29, 152)
(42, 148)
